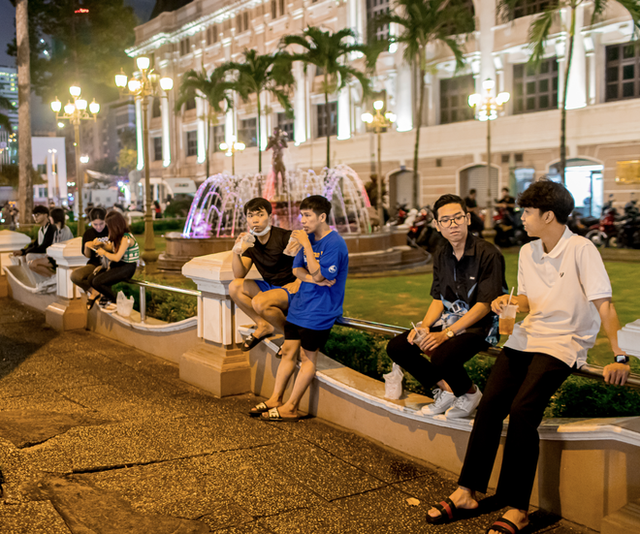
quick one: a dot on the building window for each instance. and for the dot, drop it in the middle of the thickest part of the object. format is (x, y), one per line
(454, 97)
(218, 137)
(157, 148)
(623, 72)
(242, 22)
(528, 7)
(286, 124)
(185, 46)
(212, 34)
(192, 143)
(247, 132)
(376, 8)
(42, 168)
(155, 108)
(327, 119)
(535, 89)
(190, 104)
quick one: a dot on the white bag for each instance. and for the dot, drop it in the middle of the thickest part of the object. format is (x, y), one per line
(125, 305)
(393, 383)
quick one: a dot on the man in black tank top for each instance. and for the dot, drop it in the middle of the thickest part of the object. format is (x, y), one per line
(266, 301)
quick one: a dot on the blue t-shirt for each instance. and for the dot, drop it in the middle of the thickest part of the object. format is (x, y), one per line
(317, 307)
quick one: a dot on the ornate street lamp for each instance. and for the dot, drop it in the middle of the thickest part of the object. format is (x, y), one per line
(76, 112)
(487, 107)
(144, 84)
(231, 150)
(379, 122)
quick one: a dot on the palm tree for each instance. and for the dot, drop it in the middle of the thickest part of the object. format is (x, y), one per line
(539, 35)
(258, 74)
(211, 88)
(25, 188)
(5, 103)
(422, 23)
(330, 52)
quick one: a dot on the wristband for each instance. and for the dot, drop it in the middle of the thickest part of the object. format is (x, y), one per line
(622, 358)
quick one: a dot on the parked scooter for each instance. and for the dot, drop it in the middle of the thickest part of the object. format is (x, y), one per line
(400, 216)
(422, 233)
(604, 233)
(629, 226)
(581, 225)
(509, 229)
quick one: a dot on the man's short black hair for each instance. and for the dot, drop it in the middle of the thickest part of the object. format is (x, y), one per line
(316, 203)
(257, 204)
(506, 189)
(472, 191)
(449, 199)
(40, 209)
(97, 213)
(59, 216)
(548, 196)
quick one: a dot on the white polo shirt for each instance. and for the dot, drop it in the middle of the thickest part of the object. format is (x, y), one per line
(562, 322)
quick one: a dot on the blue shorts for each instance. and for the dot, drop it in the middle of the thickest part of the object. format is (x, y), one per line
(266, 286)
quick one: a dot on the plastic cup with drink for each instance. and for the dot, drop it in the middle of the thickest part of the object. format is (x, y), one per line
(247, 241)
(293, 247)
(508, 317)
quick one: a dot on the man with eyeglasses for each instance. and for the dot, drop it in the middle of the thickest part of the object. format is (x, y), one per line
(468, 274)
(46, 233)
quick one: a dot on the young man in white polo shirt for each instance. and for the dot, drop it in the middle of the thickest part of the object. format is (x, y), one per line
(565, 289)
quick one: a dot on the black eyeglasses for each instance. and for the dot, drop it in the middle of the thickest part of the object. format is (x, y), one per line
(448, 221)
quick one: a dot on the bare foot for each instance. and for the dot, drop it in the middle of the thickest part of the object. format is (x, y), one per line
(463, 499)
(269, 403)
(287, 411)
(520, 518)
(263, 330)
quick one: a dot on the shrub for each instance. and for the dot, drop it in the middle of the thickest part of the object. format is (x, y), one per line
(163, 305)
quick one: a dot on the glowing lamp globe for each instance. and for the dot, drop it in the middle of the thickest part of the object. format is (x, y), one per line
(75, 91)
(69, 109)
(143, 62)
(94, 107)
(81, 104)
(56, 106)
(121, 80)
(166, 83)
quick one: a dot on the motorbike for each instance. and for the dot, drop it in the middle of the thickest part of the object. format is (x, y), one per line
(581, 225)
(605, 231)
(629, 226)
(422, 233)
(400, 216)
(509, 229)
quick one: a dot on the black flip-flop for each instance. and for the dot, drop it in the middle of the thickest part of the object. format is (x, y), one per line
(91, 302)
(505, 527)
(273, 415)
(448, 512)
(252, 341)
(278, 355)
(259, 409)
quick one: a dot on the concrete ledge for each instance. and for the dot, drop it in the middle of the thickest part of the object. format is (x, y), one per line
(20, 289)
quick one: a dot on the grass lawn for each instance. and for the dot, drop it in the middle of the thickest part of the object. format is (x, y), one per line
(402, 299)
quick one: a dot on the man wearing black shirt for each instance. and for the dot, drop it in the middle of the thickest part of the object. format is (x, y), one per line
(266, 301)
(96, 233)
(468, 274)
(507, 201)
(46, 233)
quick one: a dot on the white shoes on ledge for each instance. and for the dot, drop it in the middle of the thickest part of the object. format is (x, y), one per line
(448, 406)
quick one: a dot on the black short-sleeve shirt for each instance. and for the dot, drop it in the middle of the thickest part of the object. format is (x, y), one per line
(91, 234)
(274, 266)
(479, 276)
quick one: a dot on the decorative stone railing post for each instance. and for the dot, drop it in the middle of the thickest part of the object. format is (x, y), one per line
(216, 364)
(68, 312)
(9, 242)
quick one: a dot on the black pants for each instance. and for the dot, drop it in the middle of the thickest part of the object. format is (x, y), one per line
(80, 276)
(118, 272)
(447, 360)
(520, 386)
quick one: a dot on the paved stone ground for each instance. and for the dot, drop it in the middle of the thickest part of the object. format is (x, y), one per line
(96, 437)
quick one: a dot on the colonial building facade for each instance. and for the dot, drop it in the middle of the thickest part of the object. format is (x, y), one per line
(603, 136)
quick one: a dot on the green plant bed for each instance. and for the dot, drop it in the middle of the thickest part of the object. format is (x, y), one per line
(162, 305)
(577, 397)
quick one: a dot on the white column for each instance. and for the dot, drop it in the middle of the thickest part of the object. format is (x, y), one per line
(487, 20)
(263, 134)
(344, 122)
(139, 134)
(229, 127)
(9, 242)
(200, 113)
(166, 138)
(299, 107)
(404, 98)
(589, 49)
(577, 94)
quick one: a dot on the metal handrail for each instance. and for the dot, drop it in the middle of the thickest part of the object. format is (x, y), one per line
(143, 293)
(586, 371)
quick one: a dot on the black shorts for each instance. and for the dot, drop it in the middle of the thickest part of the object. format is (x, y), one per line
(311, 340)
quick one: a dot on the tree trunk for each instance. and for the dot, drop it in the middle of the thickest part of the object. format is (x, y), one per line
(258, 135)
(328, 119)
(416, 182)
(565, 92)
(25, 187)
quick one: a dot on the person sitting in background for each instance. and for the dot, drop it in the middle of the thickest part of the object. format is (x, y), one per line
(507, 202)
(95, 234)
(38, 248)
(468, 274)
(123, 253)
(157, 210)
(46, 266)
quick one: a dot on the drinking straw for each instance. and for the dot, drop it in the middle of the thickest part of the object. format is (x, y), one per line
(414, 327)
(510, 295)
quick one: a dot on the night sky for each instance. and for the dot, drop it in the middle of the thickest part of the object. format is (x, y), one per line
(142, 8)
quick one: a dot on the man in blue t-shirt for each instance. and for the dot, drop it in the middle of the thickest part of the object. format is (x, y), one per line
(322, 267)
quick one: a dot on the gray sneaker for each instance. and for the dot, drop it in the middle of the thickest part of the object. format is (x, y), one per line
(464, 405)
(443, 400)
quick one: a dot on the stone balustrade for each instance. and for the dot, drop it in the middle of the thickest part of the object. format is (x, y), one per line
(9, 242)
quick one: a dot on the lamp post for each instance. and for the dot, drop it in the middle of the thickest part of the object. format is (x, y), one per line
(54, 172)
(487, 107)
(379, 122)
(145, 83)
(231, 150)
(76, 112)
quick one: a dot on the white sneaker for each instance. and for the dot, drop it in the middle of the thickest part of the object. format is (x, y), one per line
(442, 401)
(464, 405)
